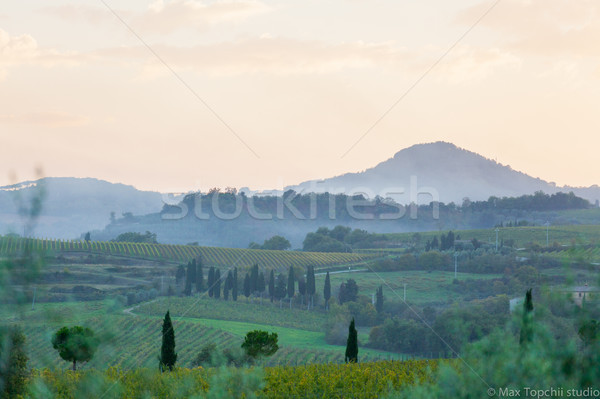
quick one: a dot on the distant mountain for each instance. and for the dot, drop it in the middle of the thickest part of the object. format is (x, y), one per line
(73, 206)
(453, 172)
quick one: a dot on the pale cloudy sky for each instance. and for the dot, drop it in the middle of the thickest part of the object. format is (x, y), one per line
(298, 82)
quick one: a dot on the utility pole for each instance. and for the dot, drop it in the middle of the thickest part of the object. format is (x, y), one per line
(497, 230)
(547, 227)
(404, 292)
(455, 264)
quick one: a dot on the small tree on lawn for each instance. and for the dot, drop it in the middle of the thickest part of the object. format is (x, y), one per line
(260, 344)
(168, 357)
(75, 344)
(352, 344)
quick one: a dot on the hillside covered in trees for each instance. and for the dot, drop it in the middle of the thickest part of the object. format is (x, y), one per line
(207, 219)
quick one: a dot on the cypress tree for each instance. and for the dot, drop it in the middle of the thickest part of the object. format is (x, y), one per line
(168, 357)
(261, 285)
(192, 270)
(211, 282)
(291, 284)
(352, 344)
(199, 276)
(272, 285)
(280, 288)
(188, 280)
(301, 289)
(254, 280)
(327, 291)
(227, 285)
(379, 299)
(526, 328)
(247, 286)
(180, 275)
(310, 284)
(217, 289)
(234, 285)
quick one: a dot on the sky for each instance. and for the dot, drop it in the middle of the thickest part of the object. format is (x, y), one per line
(180, 95)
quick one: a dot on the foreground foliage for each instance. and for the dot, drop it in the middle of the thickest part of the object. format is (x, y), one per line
(366, 380)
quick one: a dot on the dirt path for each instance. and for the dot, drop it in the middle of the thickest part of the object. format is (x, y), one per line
(129, 311)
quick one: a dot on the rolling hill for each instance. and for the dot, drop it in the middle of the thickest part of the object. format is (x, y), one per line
(455, 173)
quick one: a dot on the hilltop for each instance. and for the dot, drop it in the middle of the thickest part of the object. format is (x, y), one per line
(454, 172)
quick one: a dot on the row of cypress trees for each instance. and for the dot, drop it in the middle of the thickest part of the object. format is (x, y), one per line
(254, 283)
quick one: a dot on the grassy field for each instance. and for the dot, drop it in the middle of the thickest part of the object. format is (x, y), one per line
(421, 287)
(564, 235)
(133, 340)
(242, 310)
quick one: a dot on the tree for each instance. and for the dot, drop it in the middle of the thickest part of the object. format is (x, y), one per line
(260, 343)
(13, 363)
(272, 285)
(180, 274)
(168, 357)
(348, 291)
(302, 288)
(352, 344)
(211, 282)
(247, 292)
(228, 284)
(280, 288)
(310, 284)
(234, 285)
(589, 331)
(526, 325)
(379, 299)
(277, 243)
(254, 280)
(190, 277)
(148, 237)
(88, 237)
(260, 286)
(327, 291)
(75, 344)
(291, 284)
(199, 276)
(217, 284)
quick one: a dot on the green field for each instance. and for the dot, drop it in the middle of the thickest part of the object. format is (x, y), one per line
(211, 256)
(563, 235)
(421, 287)
(133, 339)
